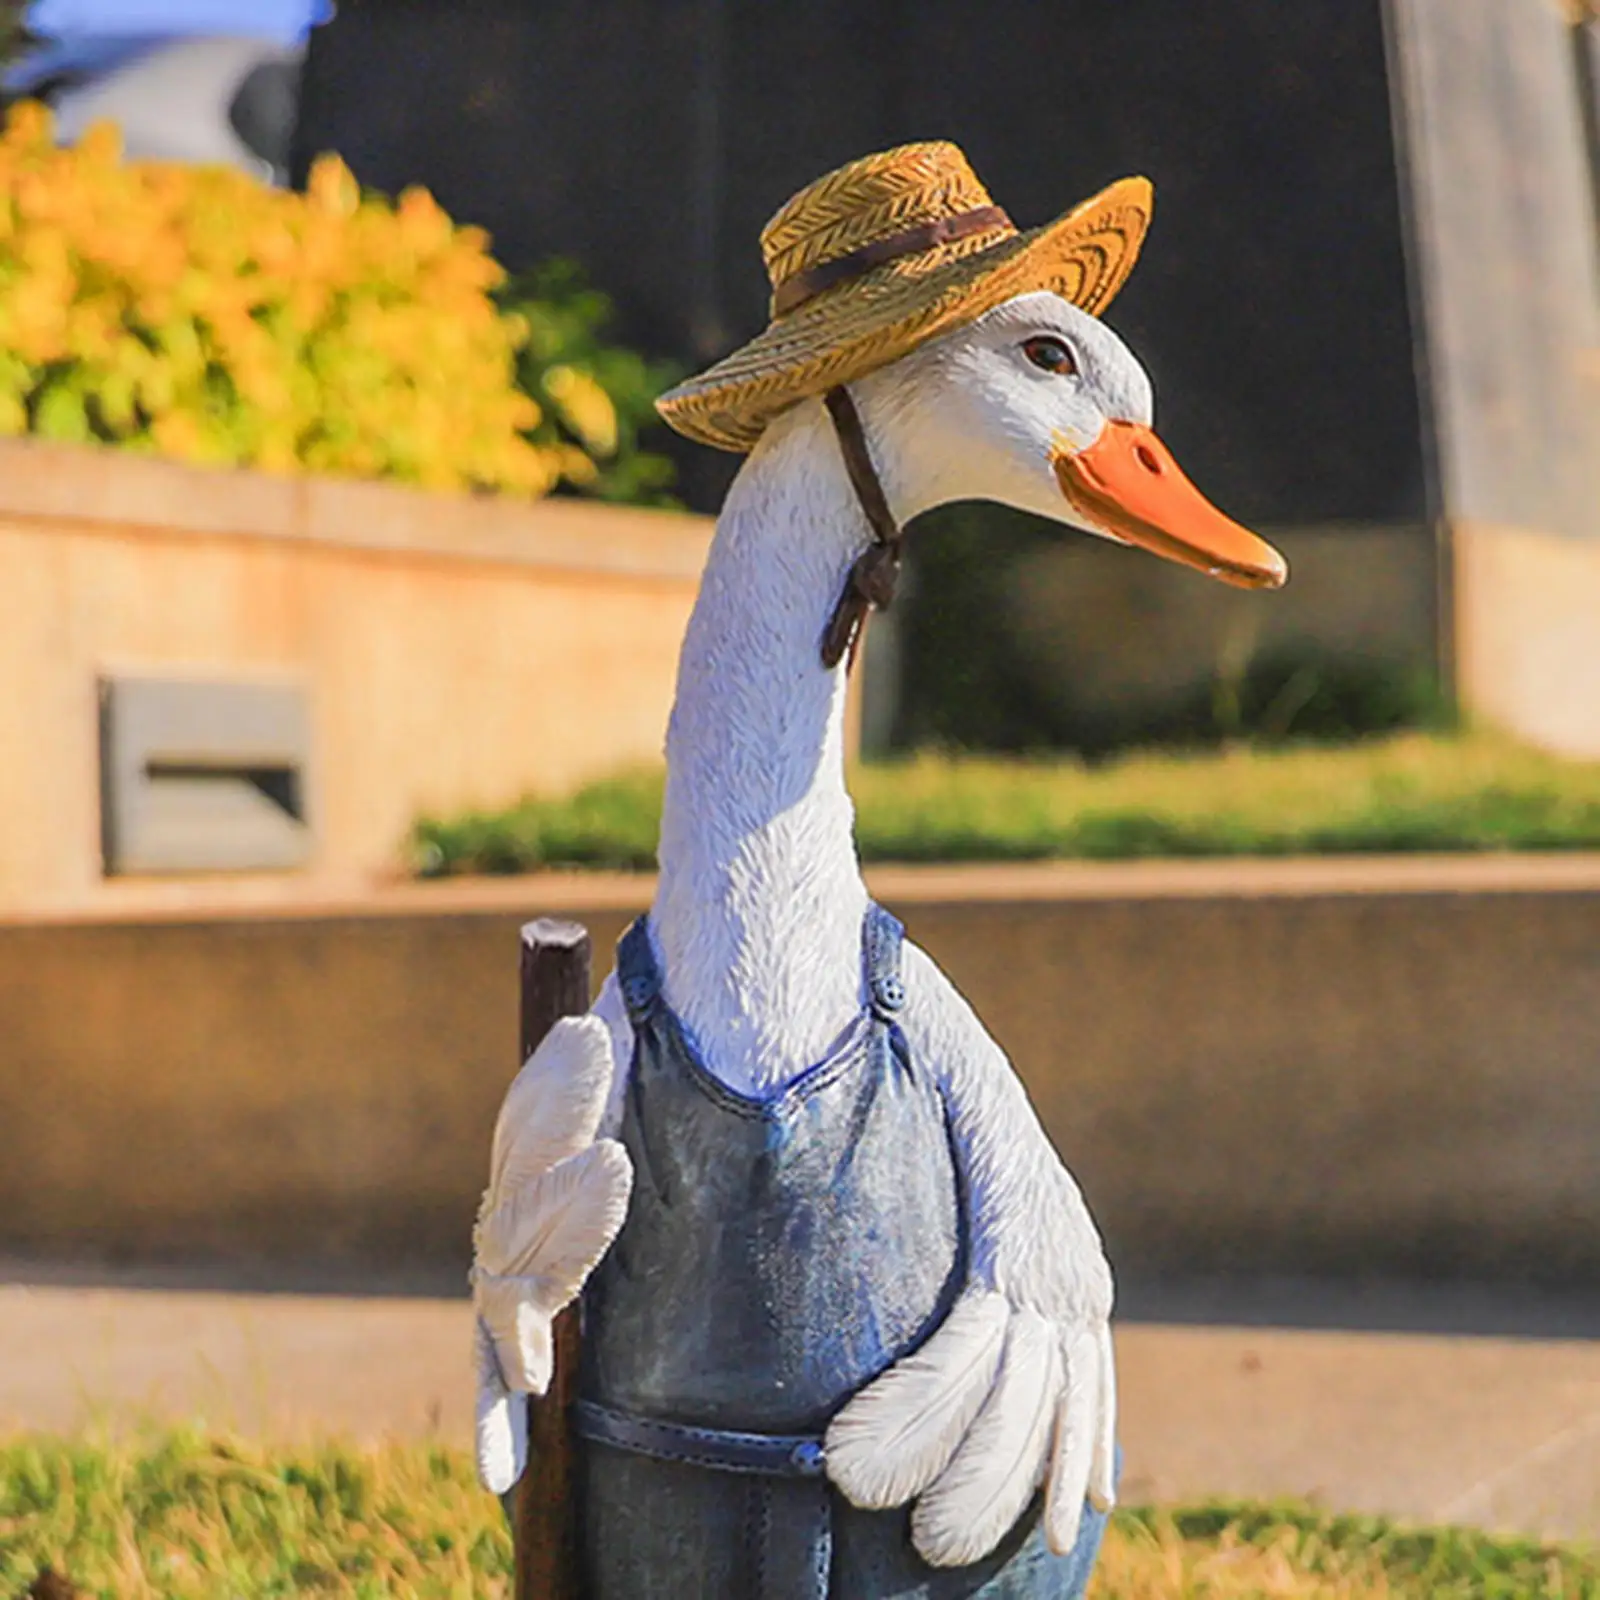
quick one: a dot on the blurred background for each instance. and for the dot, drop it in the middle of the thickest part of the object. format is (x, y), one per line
(343, 568)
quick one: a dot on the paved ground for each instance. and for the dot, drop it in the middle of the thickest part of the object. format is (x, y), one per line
(1218, 1396)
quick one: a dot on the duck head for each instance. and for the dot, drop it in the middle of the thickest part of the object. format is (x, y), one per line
(1040, 406)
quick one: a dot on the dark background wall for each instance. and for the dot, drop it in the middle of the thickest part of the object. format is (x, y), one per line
(650, 139)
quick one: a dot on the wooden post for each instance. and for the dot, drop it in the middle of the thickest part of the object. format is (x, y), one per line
(555, 984)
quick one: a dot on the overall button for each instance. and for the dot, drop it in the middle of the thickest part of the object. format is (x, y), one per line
(890, 993)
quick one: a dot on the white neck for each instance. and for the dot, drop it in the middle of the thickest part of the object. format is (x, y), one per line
(758, 913)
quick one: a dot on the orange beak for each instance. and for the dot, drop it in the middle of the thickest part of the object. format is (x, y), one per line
(1127, 483)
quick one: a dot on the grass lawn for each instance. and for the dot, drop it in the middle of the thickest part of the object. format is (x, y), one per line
(1412, 792)
(181, 1516)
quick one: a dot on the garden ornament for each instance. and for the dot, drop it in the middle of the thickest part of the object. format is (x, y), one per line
(846, 1317)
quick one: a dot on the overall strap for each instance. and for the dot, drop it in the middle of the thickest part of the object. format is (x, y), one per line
(638, 975)
(881, 939)
(725, 1450)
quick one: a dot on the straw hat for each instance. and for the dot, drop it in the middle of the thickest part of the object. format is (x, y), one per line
(883, 254)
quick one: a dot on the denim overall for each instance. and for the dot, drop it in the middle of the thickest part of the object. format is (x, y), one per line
(777, 1255)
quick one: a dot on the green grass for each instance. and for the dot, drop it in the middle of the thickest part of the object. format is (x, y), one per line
(1229, 1551)
(183, 1516)
(1411, 792)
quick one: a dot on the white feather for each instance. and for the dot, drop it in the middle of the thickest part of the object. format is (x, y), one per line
(511, 1311)
(502, 1421)
(987, 1485)
(1073, 1448)
(900, 1432)
(558, 1226)
(1103, 1468)
(535, 1251)
(553, 1107)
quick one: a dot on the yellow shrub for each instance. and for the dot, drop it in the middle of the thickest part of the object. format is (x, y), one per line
(194, 312)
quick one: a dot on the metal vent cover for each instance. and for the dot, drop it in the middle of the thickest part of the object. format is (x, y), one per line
(202, 775)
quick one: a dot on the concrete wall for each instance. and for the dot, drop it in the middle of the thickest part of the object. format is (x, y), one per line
(456, 650)
(1504, 257)
(1506, 275)
(1381, 1065)
(1528, 644)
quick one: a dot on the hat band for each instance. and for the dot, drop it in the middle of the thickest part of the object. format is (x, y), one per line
(802, 286)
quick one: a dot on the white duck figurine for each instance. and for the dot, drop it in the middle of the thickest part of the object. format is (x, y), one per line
(854, 1337)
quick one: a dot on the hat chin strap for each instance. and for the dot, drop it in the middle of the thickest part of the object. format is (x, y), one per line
(876, 571)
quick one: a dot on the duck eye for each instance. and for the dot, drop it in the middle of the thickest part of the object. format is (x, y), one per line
(1051, 355)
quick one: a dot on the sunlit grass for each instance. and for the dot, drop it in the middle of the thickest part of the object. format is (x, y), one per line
(1412, 792)
(182, 1516)
(1230, 1551)
(185, 1516)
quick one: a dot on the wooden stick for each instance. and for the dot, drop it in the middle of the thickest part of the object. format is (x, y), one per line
(555, 984)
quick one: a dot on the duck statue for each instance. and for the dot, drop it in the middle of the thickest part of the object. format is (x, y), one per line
(846, 1316)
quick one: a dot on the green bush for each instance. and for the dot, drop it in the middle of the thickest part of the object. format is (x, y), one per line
(1412, 792)
(969, 680)
(565, 359)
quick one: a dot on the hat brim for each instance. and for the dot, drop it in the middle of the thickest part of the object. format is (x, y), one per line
(846, 332)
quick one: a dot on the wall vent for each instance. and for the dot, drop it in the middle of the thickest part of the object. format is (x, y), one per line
(198, 775)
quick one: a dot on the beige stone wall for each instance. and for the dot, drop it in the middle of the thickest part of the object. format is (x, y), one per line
(1528, 633)
(457, 650)
(1378, 1065)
